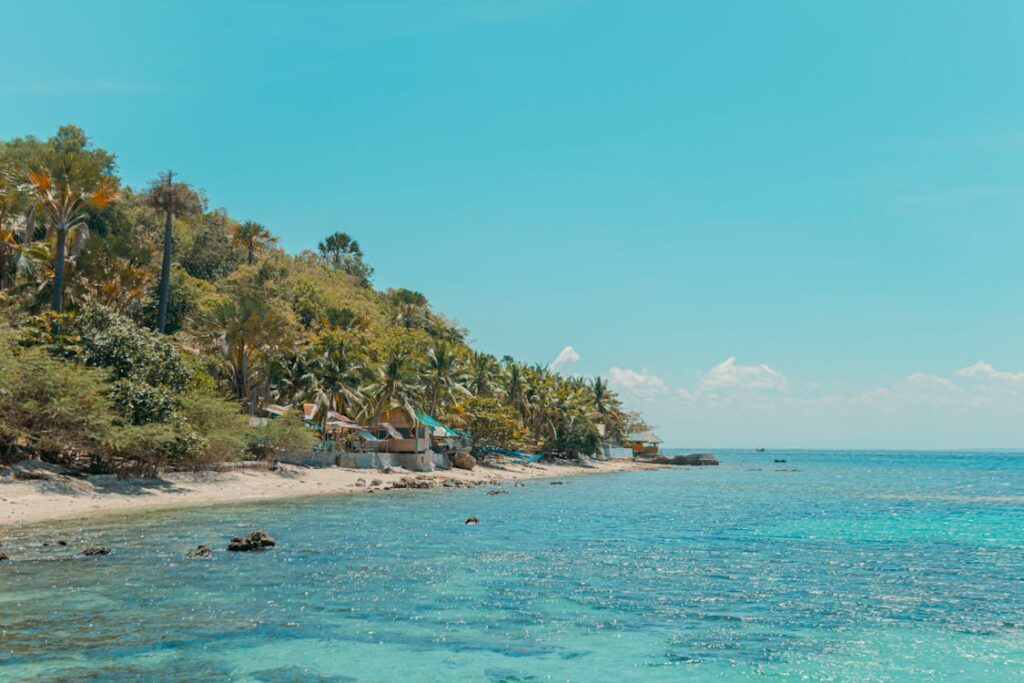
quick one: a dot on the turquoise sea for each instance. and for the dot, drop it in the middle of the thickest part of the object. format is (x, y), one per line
(832, 566)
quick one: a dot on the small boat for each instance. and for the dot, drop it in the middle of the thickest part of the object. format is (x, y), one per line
(759, 450)
(523, 458)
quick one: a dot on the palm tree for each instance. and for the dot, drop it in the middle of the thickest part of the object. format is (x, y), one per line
(252, 236)
(339, 375)
(62, 201)
(294, 379)
(483, 369)
(599, 395)
(445, 381)
(245, 334)
(174, 199)
(337, 247)
(515, 387)
(395, 385)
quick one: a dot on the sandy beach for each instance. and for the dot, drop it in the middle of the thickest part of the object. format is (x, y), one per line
(37, 501)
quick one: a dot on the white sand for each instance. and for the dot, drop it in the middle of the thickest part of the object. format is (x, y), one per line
(30, 502)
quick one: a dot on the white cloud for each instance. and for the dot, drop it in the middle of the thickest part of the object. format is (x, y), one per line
(643, 384)
(565, 359)
(983, 370)
(728, 376)
(739, 405)
(922, 381)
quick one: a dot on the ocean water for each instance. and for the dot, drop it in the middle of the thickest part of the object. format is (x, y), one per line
(837, 566)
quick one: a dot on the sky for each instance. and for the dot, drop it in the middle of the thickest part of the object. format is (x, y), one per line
(784, 224)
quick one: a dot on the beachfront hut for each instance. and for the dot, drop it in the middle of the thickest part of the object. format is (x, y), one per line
(643, 443)
(401, 432)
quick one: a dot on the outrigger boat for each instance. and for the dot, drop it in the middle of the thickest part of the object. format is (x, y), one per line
(523, 458)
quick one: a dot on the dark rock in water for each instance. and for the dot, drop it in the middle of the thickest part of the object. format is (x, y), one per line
(200, 551)
(96, 550)
(557, 483)
(62, 543)
(496, 492)
(472, 520)
(464, 461)
(3, 556)
(779, 460)
(257, 540)
(698, 459)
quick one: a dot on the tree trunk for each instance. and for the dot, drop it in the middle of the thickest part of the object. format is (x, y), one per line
(165, 274)
(58, 269)
(252, 248)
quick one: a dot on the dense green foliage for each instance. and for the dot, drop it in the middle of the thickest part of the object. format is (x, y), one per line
(246, 325)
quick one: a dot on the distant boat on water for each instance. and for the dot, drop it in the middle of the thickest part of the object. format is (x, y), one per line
(759, 450)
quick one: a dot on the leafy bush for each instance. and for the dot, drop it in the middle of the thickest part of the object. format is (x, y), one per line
(283, 434)
(578, 436)
(492, 423)
(113, 341)
(51, 407)
(219, 422)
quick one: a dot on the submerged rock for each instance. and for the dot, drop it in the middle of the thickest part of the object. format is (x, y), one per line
(200, 551)
(464, 461)
(472, 520)
(3, 556)
(96, 550)
(496, 492)
(257, 540)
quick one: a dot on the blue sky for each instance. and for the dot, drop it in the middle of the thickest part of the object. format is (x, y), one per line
(830, 194)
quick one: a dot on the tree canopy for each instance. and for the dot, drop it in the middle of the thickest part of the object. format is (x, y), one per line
(248, 324)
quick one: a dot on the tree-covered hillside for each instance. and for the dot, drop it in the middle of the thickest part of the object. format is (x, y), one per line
(141, 325)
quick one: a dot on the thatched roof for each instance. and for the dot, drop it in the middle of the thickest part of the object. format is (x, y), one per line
(644, 437)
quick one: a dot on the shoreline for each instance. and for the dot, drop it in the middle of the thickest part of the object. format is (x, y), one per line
(33, 502)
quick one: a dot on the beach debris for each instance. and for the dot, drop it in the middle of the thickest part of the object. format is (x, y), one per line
(200, 551)
(464, 461)
(472, 520)
(257, 540)
(496, 492)
(96, 550)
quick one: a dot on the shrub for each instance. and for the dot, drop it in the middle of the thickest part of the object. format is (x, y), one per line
(282, 434)
(52, 408)
(577, 436)
(493, 423)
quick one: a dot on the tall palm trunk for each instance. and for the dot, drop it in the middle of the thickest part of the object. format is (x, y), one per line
(165, 275)
(58, 269)
(252, 249)
(165, 269)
